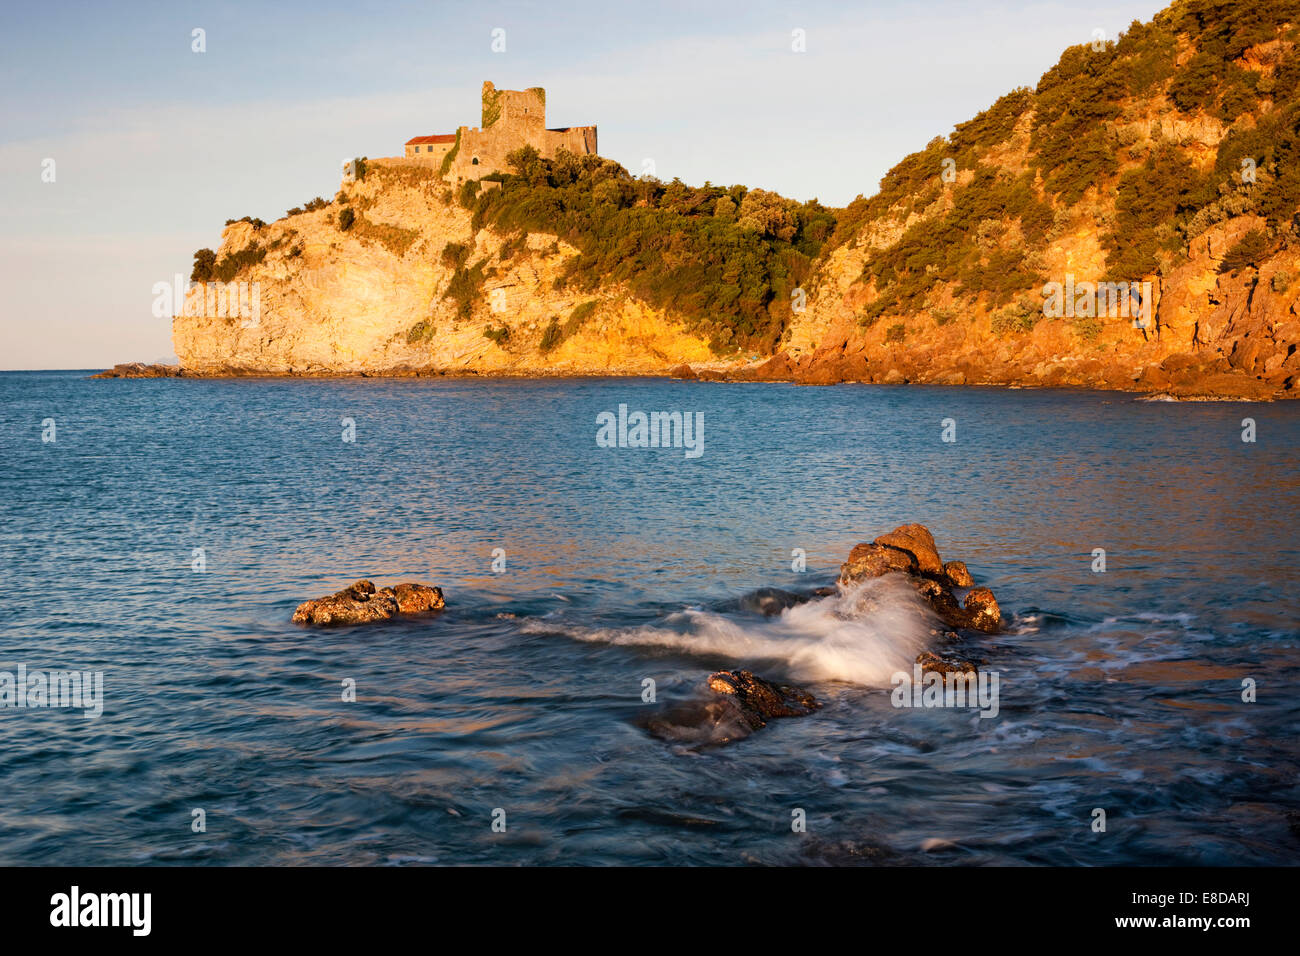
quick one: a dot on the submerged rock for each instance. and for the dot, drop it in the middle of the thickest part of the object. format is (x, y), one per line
(759, 700)
(360, 603)
(947, 663)
(740, 704)
(772, 601)
(910, 550)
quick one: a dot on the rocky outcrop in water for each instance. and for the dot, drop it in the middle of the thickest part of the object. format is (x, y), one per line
(360, 603)
(738, 704)
(947, 663)
(910, 550)
(758, 701)
(140, 370)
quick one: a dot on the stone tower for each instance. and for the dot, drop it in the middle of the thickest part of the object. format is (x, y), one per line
(523, 111)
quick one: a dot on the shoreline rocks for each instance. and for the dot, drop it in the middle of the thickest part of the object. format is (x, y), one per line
(141, 370)
(910, 550)
(361, 603)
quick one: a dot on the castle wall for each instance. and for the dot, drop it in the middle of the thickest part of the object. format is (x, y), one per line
(511, 119)
(491, 146)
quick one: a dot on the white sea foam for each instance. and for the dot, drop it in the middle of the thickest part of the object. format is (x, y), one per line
(862, 635)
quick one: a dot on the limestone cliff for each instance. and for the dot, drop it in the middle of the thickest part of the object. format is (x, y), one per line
(371, 299)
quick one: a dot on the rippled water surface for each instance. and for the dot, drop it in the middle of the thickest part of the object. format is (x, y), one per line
(1120, 690)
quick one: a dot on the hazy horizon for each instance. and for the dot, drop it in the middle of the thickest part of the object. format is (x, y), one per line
(156, 146)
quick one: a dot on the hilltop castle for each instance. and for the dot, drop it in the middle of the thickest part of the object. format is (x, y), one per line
(511, 119)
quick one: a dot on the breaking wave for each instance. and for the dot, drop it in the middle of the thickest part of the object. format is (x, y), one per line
(862, 635)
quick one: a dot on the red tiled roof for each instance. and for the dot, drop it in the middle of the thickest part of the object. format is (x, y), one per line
(441, 138)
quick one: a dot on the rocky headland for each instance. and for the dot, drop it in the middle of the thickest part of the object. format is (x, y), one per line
(1154, 174)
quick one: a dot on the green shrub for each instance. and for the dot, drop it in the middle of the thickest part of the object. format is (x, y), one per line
(422, 331)
(231, 264)
(1151, 202)
(346, 218)
(455, 255)
(499, 336)
(580, 314)
(513, 246)
(1014, 319)
(466, 288)
(896, 333)
(552, 337)
(1248, 251)
(1086, 328)
(205, 260)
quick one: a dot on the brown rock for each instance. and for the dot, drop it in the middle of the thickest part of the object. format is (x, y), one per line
(684, 371)
(417, 598)
(360, 603)
(946, 663)
(982, 606)
(910, 550)
(957, 575)
(917, 541)
(140, 370)
(872, 560)
(760, 700)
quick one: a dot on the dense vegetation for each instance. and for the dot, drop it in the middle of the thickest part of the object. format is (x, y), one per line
(727, 259)
(208, 268)
(981, 229)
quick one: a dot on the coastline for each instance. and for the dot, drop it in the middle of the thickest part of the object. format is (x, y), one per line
(1238, 388)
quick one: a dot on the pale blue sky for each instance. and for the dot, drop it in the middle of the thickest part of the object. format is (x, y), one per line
(156, 146)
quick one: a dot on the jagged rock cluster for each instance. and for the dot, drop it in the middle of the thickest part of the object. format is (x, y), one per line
(740, 702)
(360, 603)
(736, 704)
(910, 550)
(757, 701)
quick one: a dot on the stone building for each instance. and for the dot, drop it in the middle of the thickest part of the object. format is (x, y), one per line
(432, 148)
(510, 119)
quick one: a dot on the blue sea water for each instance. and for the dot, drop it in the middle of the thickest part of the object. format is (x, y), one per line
(1119, 690)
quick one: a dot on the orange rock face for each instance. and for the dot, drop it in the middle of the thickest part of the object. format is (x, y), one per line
(360, 603)
(910, 550)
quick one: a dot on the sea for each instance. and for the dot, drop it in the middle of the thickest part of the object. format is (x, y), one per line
(158, 535)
